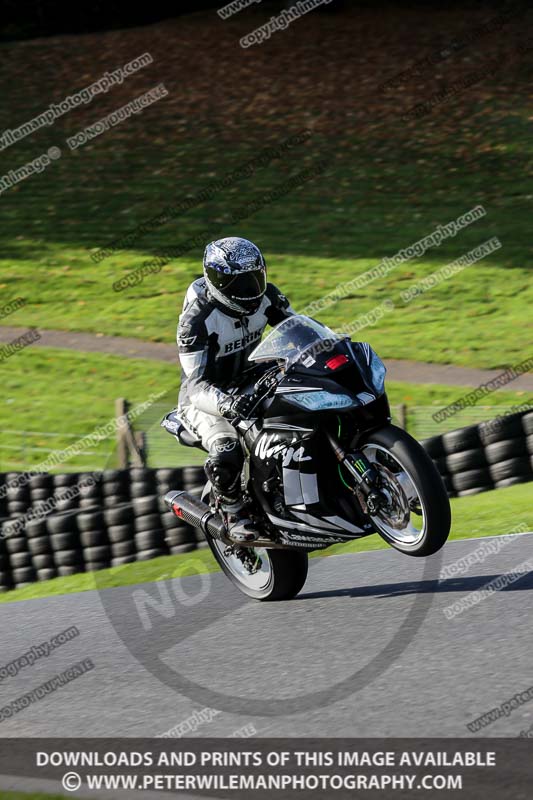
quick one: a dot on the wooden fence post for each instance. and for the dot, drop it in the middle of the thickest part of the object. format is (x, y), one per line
(131, 446)
(121, 410)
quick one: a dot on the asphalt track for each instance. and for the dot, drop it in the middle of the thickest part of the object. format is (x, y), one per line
(439, 673)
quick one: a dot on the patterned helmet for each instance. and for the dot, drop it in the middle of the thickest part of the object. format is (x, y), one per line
(235, 272)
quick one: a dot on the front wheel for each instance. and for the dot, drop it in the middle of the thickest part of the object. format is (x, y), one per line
(416, 518)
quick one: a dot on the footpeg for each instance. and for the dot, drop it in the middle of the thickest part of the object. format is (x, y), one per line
(242, 532)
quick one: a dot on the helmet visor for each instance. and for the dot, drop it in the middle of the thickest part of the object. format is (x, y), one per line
(240, 286)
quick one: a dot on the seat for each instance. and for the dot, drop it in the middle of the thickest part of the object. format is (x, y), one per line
(187, 439)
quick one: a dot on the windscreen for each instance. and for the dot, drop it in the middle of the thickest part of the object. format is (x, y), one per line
(293, 338)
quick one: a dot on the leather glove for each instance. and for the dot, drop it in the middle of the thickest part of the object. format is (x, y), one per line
(234, 408)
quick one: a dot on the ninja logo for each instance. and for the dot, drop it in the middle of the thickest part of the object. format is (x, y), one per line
(265, 450)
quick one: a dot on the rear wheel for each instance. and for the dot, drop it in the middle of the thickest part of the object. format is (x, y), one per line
(416, 518)
(260, 573)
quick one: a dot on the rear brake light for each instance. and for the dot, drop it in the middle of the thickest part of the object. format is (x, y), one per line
(337, 361)
(177, 510)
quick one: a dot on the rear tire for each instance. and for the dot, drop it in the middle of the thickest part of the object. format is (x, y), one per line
(286, 569)
(287, 573)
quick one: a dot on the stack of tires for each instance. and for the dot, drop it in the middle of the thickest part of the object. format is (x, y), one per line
(41, 488)
(64, 537)
(3, 497)
(115, 487)
(509, 450)
(119, 516)
(17, 567)
(40, 547)
(179, 537)
(90, 496)
(18, 499)
(6, 580)
(487, 456)
(466, 461)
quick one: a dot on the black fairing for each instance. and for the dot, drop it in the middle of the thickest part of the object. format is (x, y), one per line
(294, 470)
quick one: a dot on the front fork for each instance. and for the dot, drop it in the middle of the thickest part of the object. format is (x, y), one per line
(366, 476)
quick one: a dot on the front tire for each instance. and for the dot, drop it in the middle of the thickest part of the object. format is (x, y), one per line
(412, 470)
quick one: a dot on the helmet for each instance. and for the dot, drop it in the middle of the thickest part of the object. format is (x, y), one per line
(235, 273)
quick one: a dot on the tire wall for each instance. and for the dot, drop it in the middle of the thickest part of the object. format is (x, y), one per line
(119, 516)
(491, 455)
(97, 520)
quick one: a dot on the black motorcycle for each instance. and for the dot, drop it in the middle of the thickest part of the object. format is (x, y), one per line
(323, 464)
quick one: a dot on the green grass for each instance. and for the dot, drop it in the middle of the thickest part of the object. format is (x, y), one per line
(315, 238)
(386, 184)
(61, 391)
(472, 319)
(486, 514)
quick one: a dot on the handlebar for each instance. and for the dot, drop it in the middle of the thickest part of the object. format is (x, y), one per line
(267, 382)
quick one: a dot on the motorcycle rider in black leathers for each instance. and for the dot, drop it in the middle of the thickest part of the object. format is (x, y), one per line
(223, 319)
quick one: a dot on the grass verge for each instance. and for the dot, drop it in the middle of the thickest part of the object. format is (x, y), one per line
(50, 390)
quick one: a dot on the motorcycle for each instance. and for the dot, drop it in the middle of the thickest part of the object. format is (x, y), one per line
(323, 463)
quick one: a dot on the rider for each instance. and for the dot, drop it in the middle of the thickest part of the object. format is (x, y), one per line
(223, 319)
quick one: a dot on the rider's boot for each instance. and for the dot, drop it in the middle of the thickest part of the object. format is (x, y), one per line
(225, 481)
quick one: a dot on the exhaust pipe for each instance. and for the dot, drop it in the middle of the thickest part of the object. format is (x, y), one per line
(196, 513)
